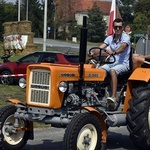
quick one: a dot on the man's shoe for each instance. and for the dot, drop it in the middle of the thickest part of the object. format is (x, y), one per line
(111, 101)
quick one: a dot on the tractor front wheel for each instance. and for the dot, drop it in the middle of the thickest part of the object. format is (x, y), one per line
(138, 117)
(83, 133)
(11, 138)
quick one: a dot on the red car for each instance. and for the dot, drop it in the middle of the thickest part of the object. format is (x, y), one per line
(14, 69)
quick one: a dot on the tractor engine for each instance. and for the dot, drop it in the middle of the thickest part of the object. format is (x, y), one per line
(91, 94)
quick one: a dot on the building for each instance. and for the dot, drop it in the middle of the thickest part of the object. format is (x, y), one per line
(104, 6)
(79, 8)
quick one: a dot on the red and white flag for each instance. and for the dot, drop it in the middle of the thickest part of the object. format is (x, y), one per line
(112, 17)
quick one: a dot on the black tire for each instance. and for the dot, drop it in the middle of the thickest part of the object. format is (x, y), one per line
(138, 117)
(11, 141)
(83, 132)
(6, 80)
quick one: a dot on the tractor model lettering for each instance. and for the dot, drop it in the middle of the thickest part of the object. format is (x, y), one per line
(67, 75)
(93, 75)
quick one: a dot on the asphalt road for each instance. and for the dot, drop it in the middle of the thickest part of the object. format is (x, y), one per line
(52, 139)
(60, 44)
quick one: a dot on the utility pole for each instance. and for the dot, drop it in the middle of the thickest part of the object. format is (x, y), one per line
(45, 26)
(27, 10)
(18, 10)
(54, 20)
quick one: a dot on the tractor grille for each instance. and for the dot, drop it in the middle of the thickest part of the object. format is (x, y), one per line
(39, 86)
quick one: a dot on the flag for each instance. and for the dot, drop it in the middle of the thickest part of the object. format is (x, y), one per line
(112, 17)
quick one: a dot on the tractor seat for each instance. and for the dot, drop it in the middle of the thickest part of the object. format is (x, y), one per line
(126, 75)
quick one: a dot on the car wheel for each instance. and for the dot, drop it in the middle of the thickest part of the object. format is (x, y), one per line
(6, 80)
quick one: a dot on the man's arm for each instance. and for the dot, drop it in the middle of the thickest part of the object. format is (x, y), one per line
(147, 56)
(95, 52)
(121, 48)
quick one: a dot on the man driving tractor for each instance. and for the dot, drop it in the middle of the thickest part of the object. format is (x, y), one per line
(118, 45)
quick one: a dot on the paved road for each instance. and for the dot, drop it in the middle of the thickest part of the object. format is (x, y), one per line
(118, 139)
(60, 44)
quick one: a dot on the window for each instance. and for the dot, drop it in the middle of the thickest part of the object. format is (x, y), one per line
(30, 58)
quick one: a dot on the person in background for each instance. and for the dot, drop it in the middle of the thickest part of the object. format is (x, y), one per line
(118, 45)
(138, 59)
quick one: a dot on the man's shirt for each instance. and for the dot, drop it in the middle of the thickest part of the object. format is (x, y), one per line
(123, 57)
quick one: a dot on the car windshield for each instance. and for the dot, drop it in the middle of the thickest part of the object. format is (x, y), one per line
(30, 58)
(72, 58)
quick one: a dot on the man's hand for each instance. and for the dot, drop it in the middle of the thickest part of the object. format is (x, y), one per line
(94, 53)
(110, 52)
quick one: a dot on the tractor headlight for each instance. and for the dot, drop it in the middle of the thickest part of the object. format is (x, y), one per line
(22, 82)
(63, 87)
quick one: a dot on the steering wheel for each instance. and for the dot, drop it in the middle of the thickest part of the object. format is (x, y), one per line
(101, 57)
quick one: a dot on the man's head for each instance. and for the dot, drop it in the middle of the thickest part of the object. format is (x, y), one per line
(118, 26)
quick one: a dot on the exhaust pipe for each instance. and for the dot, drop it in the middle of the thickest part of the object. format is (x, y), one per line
(82, 52)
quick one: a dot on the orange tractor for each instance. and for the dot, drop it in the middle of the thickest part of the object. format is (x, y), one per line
(74, 97)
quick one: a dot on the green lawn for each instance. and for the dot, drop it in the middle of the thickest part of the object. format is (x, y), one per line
(11, 91)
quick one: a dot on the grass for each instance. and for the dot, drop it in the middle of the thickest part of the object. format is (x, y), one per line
(15, 92)
(11, 91)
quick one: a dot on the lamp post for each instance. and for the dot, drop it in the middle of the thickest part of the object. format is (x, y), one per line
(45, 26)
(18, 10)
(54, 20)
(27, 11)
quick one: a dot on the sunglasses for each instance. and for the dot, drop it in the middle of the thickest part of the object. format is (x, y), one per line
(116, 27)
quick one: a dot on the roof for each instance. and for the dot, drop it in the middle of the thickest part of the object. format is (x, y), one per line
(104, 6)
(84, 6)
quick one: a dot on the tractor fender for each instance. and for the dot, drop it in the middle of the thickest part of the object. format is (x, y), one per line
(101, 119)
(140, 74)
(15, 101)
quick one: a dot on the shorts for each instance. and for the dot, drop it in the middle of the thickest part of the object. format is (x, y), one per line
(119, 68)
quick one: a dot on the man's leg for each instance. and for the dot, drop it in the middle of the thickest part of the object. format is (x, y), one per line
(114, 82)
(114, 71)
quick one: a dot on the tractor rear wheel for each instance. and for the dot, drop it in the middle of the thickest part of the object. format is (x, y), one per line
(83, 133)
(10, 137)
(138, 117)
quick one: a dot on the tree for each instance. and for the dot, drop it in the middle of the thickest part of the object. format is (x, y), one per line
(36, 15)
(126, 8)
(65, 16)
(74, 30)
(96, 25)
(7, 13)
(141, 16)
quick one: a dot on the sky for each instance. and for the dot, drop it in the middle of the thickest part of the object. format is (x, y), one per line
(13, 1)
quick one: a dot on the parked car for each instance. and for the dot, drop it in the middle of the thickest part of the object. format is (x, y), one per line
(19, 67)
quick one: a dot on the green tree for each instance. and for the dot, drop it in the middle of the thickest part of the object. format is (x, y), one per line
(96, 24)
(126, 8)
(35, 15)
(7, 13)
(65, 16)
(74, 30)
(141, 16)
